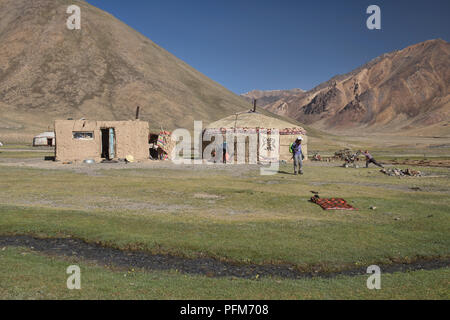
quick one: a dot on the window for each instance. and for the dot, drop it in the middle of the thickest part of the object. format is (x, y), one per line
(77, 135)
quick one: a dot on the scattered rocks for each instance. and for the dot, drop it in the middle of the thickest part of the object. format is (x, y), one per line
(395, 172)
(350, 165)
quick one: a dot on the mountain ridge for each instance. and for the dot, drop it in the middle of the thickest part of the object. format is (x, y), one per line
(103, 71)
(398, 91)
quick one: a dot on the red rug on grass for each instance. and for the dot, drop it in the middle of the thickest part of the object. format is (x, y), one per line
(332, 203)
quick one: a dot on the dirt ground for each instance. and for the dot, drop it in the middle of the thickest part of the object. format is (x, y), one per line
(81, 167)
(102, 169)
(441, 163)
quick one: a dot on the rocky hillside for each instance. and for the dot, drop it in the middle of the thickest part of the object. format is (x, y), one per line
(399, 91)
(102, 71)
(270, 96)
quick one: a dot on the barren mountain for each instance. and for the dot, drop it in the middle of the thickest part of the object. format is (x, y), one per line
(103, 71)
(271, 94)
(399, 91)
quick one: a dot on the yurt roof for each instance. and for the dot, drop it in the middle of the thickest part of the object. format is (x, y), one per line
(46, 135)
(251, 120)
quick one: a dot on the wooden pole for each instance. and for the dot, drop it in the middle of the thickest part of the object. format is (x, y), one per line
(137, 112)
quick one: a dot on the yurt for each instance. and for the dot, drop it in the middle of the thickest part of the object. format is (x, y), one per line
(256, 134)
(44, 139)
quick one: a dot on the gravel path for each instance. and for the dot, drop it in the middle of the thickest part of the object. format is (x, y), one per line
(200, 266)
(94, 169)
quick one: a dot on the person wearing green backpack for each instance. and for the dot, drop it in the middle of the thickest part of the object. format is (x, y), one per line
(297, 154)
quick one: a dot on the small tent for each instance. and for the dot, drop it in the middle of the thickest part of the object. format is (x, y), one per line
(44, 139)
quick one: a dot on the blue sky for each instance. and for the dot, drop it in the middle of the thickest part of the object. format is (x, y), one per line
(279, 44)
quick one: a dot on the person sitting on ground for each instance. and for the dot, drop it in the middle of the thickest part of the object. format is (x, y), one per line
(297, 154)
(370, 159)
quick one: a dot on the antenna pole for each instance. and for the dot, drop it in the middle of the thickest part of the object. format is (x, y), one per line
(137, 112)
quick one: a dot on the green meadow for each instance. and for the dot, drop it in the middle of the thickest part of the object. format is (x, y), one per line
(230, 213)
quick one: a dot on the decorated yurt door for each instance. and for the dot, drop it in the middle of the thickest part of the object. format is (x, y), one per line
(269, 146)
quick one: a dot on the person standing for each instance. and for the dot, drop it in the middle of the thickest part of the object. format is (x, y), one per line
(297, 154)
(370, 159)
(224, 152)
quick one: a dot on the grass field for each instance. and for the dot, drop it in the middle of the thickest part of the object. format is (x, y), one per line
(25, 154)
(25, 151)
(230, 213)
(30, 276)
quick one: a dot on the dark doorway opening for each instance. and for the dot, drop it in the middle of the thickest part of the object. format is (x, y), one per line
(108, 143)
(49, 142)
(153, 143)
(105, 143)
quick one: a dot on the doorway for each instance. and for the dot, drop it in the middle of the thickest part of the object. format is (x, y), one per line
(153, 143)
(108, 143)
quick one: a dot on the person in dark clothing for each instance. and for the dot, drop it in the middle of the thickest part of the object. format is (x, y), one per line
(297, 154)
(370, 159)
(224, 152)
